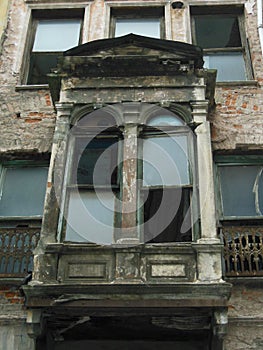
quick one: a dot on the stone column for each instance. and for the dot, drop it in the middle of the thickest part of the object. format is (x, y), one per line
(129, 231)
(49, 232)
(208, 247)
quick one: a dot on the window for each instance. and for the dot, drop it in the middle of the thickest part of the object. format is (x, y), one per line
(93, 181)
(138, 20)
(166, 180)
(241, 202)
(150, 191)
(22, 191)
(241, 189)
(219, 31)
(54, 33)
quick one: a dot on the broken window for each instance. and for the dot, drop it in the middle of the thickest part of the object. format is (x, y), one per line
(138, 20)
(219, 31)
(22, 191)
(54, 32)
(241, 190)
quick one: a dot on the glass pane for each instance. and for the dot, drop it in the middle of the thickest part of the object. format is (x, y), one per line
(23, 191)
(95, 161)
(140, 26)
(40, 66)
(230, 66)
(242, 190)
(167, 215)
(217, 31)
(165, 161)
(90, 218)
(165, 120)
(57, 35)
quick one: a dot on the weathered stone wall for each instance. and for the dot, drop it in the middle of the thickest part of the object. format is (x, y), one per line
(26, 115)
(3, 18)
(13, 332)
(245, 316)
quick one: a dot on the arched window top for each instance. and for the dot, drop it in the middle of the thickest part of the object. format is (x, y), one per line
(165, 120)
(99, 118)
(159, 116)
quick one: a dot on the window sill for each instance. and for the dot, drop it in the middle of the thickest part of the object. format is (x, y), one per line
(12, 281)
(237, 83)
(32, 87)
(255, 280)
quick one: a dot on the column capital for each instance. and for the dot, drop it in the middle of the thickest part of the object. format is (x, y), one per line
(64, 108)
(199, 110)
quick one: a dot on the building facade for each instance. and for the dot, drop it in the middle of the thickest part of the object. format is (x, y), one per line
(131, 174)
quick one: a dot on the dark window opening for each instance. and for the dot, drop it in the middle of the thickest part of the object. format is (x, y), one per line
(173, 222)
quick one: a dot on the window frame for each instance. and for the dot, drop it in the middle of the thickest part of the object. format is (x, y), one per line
(228, 11)
(245, 160)
(137, 12)
(170, 131)
(126, 131)
(46, 14)
(89, 133)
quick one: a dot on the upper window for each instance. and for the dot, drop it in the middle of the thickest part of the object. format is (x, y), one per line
(141, 21)
(22, 191)
(241, 189)
(53, 33)
(219, 31)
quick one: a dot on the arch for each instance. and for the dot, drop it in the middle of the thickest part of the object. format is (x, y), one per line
(127, 112)
(176, 111)
(107, 116)
(182, 112)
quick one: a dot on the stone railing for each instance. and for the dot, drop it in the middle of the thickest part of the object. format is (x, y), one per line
(243, 250)
(16, 250)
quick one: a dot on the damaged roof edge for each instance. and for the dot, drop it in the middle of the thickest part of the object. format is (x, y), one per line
(191, 51)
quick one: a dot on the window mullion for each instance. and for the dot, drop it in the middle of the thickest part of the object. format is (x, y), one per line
(129, 232)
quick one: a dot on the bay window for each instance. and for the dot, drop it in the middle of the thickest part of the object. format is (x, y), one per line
(122, 179)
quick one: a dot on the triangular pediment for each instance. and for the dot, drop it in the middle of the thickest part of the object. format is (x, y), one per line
(132, 45)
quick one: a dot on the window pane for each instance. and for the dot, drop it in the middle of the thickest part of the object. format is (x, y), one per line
(40, 66)
(241, 190)
(165, 120)
(217, 31)
(230, 66)
(167, 215)
(140, 26)
(23, 191)
(165, 161)
(57, 35)
(90, 218)
(95, 161)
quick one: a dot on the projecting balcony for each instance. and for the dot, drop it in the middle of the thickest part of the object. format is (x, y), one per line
(243, 251)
